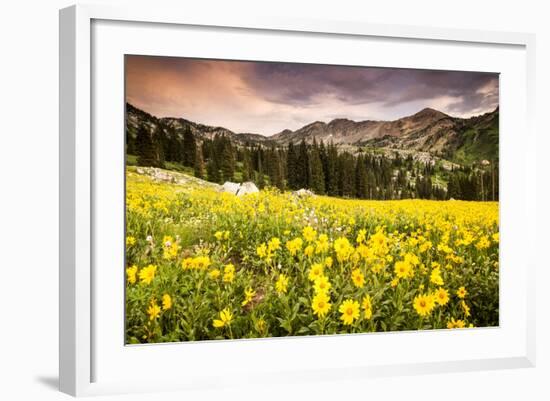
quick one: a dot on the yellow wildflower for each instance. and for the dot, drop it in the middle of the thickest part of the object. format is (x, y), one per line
(166, 302)
(483, 243)
(309, 234)
(147, 274)
(261, 250)
(249, 294)
(367, 306)
(322, 244)
(187, 263)
(424, 304)
(349, 310)
(281, 284)
(315, 271)
(201, 262)
(343, 249)
(170, 248)
(153, 310)
(224, 320)
(320, 304)
(403, 269)
(294, 246)
(131, 273)
(228, 273)
(465, 308)
(322, 284)
(435, 277)
(214, 273)
(456, 324)
(358, 278)
(361, 236)
(273, 244)
(441, 296)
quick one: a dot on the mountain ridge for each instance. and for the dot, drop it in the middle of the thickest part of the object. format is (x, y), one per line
(428, 130)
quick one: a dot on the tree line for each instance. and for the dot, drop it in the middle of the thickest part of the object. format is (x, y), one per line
(320, 167)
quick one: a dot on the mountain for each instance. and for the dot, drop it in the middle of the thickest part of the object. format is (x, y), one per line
(344, 131)
(452, 138)
(428, 132)
(135, 117)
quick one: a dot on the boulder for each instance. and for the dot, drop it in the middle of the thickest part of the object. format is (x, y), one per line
(231, 187)
(303, 192)
(247, 188)
(239, 189)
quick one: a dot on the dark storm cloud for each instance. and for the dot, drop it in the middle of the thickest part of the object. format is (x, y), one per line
(302, 84)
(266, 98)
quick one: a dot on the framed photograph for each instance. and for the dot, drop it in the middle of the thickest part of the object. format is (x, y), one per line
(274, 200)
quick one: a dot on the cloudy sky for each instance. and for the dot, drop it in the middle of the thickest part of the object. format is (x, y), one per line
(266, 98)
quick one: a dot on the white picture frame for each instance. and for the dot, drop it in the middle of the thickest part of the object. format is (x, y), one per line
(83, 216)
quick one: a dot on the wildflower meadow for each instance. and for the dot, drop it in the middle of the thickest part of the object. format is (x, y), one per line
(202, 264)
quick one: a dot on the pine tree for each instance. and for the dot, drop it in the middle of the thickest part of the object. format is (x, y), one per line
(292, 166)
(302, 166)
(227, 160)
(130, 143)
(159, 142)
(260, 180)
(247, 172)
(346, 175)
(316, 175)
(199, 163)
(213, 171)
(144, 147)
(361, 178)
(189, 148)
(331, 174)
(274, 169)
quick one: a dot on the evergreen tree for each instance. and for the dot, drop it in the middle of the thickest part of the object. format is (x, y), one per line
(292, 167)
(189, 148)
(144, 147)
(227, 160)
(159, 142)
(260, 180)
(130, 143)
(302, 166)
(330, 172)
(346, 175)
(317, 177)
(213, 171)
(274, 169)
(248, 171)
(199, 164)
(361, 178)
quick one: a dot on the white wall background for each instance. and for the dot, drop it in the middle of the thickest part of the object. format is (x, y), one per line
(29, 200)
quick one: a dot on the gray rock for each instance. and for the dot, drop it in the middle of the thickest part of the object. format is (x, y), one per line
(303, 192)
(239, 189)
(231, 187)
(247, 188)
